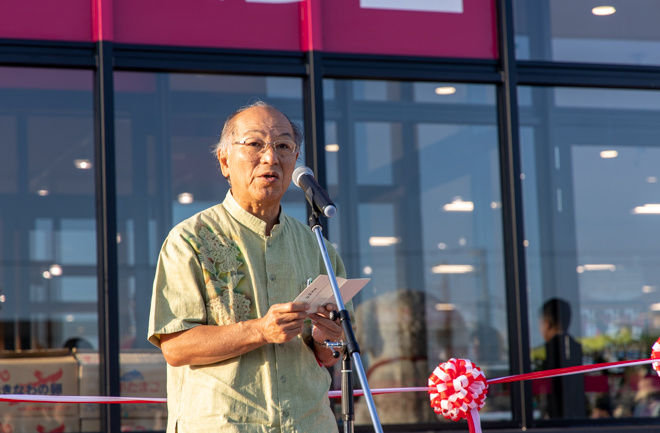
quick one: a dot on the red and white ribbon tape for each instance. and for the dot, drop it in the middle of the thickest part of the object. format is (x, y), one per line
(655, 360)
(28, 398)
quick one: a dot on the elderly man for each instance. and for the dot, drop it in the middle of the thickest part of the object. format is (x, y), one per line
(242, 357)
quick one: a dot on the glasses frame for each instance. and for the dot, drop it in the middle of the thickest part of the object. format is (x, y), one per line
(271, 144)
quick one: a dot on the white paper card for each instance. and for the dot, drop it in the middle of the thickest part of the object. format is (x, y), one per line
(320, 291)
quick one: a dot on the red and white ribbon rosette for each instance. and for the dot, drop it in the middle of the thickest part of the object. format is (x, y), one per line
(461, 390)
(655, 354)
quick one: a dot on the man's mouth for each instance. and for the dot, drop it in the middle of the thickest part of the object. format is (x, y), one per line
(270, 177)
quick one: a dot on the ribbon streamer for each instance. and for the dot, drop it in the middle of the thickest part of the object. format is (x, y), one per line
(337, 394)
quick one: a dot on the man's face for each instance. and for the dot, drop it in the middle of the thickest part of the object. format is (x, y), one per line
(259, 180)
(547, 328)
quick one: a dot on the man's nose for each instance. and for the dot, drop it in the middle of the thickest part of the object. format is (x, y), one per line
(269, 155)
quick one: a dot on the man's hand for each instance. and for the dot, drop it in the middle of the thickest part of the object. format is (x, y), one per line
(324, 328)
(283, 322)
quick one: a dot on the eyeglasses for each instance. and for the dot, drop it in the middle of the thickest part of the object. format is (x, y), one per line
(256, 146)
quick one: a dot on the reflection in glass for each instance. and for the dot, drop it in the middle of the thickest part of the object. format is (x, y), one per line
(48, 283)
(166, 125)
(437, 284)
(622, 32)
(590, 165)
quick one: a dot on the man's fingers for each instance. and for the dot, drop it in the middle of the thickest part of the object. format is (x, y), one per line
(290, 324)
(319, 318)
(328, 327)
(289, 317)
(292, 306)
(285, 308)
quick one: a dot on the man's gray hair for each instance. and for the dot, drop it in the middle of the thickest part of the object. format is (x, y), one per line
(228, 128)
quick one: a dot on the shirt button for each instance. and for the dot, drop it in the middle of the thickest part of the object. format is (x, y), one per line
(268, 243)
(272, 277)
(285, 414)
(281, 344)
(283, 378)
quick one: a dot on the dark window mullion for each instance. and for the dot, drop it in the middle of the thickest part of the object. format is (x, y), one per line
(106, 228)
(512, 214)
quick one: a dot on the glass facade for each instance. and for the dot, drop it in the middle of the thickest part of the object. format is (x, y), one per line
(415, 175)
(424, 157)
(619, 32)
(48, 283)
(591, 163)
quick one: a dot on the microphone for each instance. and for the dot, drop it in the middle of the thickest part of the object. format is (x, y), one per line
(317, 197)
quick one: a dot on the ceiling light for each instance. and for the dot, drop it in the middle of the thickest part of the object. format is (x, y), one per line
(649, 208)
(609, 154)
(603, 10)
(185, 198)
(652, 179)
(495, 205)
(655, 307)
(526, 243)
(47, 275)
(382, 241)
(367, 270)
(43, 192)
(55, 270)
(442, 245)
(458, 205)
(2, 298)
(649, 289)
(332, 148)
(445, 90)
(70, 318)
(452, 269)
(445, 306)
(596, 267)
(82, 164)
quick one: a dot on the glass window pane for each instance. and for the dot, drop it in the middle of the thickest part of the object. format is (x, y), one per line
(48, 282)
(591, 163)
(619, 31)
(417, 188)
(166, 125)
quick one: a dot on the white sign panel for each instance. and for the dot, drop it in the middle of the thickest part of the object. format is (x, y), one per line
(450, 6)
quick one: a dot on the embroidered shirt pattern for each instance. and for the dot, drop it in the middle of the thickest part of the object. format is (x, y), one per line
(220, 258)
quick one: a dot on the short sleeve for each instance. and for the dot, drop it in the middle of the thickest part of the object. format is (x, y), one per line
(177, 303)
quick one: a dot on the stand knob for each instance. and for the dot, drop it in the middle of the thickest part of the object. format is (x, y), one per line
(334, 345)
(334, 315)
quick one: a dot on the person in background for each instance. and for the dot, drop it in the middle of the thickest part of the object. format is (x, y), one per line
(602, 407)
(567, 397)
(647, 399)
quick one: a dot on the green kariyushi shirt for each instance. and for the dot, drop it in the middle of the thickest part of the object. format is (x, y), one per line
(217, 268)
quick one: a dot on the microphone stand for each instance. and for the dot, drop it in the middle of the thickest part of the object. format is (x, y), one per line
(352, 352)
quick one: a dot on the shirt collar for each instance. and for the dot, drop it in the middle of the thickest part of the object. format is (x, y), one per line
(247, 219)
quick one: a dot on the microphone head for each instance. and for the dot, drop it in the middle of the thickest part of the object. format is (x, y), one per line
(329, 211)
(300, 171)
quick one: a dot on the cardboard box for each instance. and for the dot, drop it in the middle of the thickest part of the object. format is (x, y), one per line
(39, 376)
(141, 375)
(23, 424)
(127, 424)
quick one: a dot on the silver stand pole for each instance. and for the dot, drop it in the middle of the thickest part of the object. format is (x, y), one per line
(351, 345)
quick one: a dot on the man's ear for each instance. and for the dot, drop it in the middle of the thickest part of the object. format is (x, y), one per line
(224, 164)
